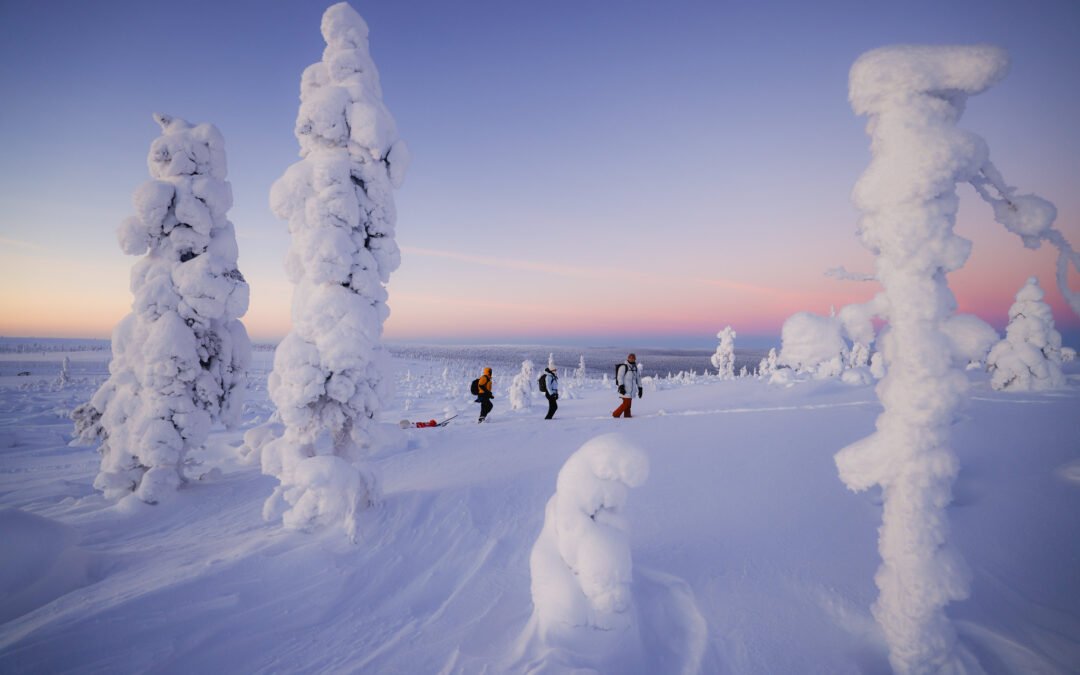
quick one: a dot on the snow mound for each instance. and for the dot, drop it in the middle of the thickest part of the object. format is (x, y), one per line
(580, 564)
(40, 563)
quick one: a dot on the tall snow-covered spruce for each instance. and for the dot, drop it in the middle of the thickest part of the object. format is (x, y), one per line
(914, 97)
(328, 379)
(180, 357)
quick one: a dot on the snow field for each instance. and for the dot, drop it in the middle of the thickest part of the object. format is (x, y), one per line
(749, 555)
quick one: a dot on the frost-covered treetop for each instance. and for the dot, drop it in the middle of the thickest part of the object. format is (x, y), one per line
(186, 150)
(883, 75)
(341, 98)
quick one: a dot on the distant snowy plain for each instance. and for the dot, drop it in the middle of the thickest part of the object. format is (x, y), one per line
(749, 554)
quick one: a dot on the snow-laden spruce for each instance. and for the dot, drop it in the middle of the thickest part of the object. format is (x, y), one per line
(1030, 355)
(580, 564)
(179, 358)
(768, 364)
(521, 388)
(914, 96)
(970, 339)
(813, 344)
(328, 379)
(724, 357)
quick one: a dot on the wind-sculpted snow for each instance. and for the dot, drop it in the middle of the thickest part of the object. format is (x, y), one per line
(580, 564)
(914, 96)
(179, 358)
(1030, 356)
(328, 381)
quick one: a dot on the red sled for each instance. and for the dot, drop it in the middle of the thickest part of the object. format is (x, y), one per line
(406, 424)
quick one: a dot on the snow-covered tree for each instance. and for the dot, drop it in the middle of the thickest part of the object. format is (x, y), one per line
(328, 380)
(813, 344)
(724, 358)
(580, 564)
(1029, 357)
(914, 97)
(579, 372)
(64, 378)
(970, 339)
(767, 366)
(521, 388)
(1068, 354)
(179, 359)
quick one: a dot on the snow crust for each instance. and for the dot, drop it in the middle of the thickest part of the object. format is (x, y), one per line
(179, 358)
(1030, 356)
(329, 378)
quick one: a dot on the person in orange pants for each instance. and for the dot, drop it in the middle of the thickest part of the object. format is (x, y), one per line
(628, 380)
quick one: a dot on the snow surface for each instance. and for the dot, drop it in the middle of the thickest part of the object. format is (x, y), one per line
(748, 554)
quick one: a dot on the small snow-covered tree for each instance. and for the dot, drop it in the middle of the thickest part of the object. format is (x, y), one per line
(579, 372)
(914, 96)
(813, 344)
(179, 359)
(767, 366)
(328, 380)
(521, 388)
(64, 378)
(1068, 354)
(1029, 358)
(724, 357)
(580, 565)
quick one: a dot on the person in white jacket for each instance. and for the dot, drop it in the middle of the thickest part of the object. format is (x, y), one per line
(628, 380)
(551, 390)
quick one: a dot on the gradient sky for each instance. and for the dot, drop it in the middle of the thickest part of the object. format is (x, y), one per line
(601, 172)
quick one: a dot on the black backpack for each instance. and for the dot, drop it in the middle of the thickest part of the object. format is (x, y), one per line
(474, 388)
(543, 383)
(621, 365)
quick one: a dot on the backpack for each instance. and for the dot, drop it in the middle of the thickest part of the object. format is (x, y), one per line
(474, 388)
(543, 383)
(621, 365)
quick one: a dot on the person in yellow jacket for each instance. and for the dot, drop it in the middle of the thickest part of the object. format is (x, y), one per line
(484, 394)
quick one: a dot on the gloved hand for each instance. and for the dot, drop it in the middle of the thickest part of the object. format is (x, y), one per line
(639, 392)
(622, 390)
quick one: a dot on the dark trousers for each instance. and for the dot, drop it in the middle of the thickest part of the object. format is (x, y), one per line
(552, 405)
(485, 406)
(624, 408)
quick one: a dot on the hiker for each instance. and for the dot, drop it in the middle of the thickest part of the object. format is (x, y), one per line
(483, 394)
(627, 379)
(549, 384)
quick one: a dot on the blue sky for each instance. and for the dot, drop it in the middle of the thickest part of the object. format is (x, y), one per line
(600, 172)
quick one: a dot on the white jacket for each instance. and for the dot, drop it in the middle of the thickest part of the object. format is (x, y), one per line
(627, 374)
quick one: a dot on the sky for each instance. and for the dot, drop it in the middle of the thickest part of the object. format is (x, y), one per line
(611, 172)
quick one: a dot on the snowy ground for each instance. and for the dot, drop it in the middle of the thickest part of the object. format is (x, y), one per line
(749, 554)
